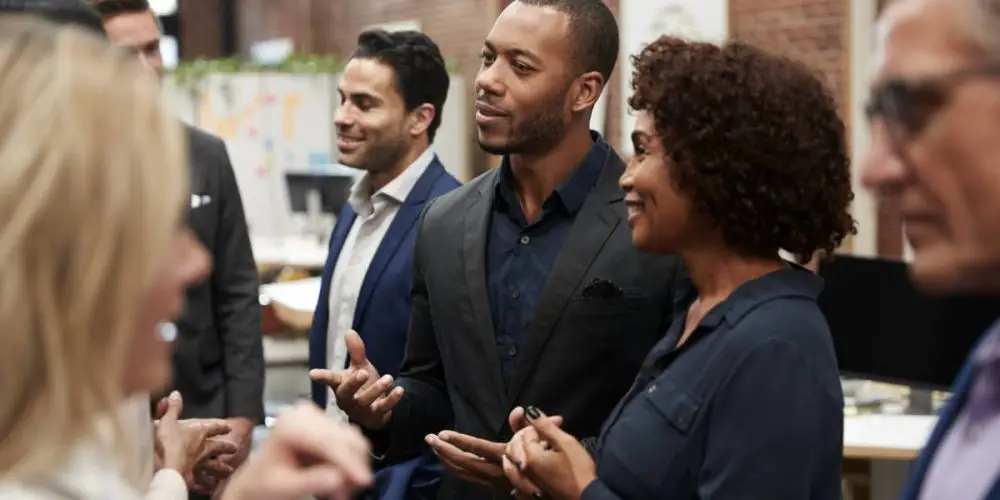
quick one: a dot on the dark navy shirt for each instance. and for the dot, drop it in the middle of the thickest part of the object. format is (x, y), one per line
(520, 253)
(750, 407)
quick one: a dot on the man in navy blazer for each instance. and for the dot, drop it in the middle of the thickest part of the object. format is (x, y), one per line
(392, 92)
(935, 140)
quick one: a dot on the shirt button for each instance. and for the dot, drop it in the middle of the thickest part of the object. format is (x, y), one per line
(651, 389)
(515, 295)
(525, 239)
(512, 351)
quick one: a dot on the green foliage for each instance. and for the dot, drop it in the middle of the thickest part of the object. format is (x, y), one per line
(189, 73)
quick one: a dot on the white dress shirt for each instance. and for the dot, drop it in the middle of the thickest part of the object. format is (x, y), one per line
(375, 213)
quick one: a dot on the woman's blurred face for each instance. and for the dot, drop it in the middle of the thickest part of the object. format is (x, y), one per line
(186, 263)
(657, 213)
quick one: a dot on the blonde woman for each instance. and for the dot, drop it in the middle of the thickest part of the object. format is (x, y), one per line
(92, 191)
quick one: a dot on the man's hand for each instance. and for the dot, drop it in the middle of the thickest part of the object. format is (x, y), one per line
(366, 398)
(183, 444)
(212, 475)
(477, 460)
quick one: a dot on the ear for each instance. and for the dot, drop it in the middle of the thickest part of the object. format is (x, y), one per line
(421, 118)
(588, 91)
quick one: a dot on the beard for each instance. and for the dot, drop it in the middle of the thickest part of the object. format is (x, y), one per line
(534, 134)
(381, 154)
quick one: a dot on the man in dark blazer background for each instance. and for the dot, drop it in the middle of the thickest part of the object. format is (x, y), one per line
(218, 355)
(392, 92)
(527, 288)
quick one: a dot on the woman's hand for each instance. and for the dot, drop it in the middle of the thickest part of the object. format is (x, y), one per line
(550, 458)
(306, 454)
(183, 444)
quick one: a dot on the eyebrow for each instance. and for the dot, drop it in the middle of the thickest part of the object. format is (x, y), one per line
(359, 95)
(514, 52)
(638, 136)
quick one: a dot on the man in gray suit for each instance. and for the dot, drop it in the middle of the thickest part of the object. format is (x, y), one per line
(527, 289)
(218, 356)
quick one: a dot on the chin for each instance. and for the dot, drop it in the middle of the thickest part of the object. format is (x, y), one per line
(943, 270)
(495, 148)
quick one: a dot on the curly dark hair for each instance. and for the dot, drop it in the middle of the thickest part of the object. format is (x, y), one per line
(755, 141)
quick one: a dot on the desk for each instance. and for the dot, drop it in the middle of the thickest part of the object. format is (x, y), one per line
(886, 437)
(293, 302)
(289, 251)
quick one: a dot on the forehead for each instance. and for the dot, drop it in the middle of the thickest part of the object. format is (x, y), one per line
(369, 77)
(542, 31)
(132, 28)
(644, 123)
(922, 37)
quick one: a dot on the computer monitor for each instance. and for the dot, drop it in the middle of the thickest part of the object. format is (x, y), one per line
(333, 190)
(884, 329)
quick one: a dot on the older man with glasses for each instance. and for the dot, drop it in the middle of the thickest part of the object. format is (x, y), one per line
(935, 151)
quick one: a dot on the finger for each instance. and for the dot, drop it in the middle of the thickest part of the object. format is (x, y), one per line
(368, 394)
(161, 407)
(315, 481)
(328, 377)
(210, 427)
(351, 385)
(515, 450)
(520, 483)
(216, 447)
(472, 463)
(356, 349)
(516, 419)
(461, 473)
(485, 449)
(174, 407)
(547, 428)
(385, 404)
(216, 469)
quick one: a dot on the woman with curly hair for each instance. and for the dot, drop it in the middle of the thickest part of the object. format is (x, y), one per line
(739, 154)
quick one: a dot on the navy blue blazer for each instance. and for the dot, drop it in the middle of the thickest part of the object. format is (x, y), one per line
(382, 318)
(947, 417)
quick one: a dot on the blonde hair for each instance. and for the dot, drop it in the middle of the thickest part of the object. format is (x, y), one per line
(92, 188)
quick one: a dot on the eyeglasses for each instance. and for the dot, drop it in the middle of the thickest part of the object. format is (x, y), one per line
(906, 106)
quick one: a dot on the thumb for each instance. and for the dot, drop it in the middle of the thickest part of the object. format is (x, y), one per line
(174, 407)
(355, 348)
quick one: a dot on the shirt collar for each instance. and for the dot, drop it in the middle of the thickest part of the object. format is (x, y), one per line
(573, 190)
(361, 198)
(791, 281)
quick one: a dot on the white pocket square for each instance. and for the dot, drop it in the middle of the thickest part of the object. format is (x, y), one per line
(200, 200)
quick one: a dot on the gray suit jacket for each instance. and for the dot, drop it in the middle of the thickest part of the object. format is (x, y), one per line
(218, 356)
(581, 354)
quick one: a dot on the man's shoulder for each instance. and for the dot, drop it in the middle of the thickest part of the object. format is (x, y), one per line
(200, 140)
(443, 207)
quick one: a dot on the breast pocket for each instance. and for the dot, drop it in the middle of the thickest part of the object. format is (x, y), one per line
(653, 445)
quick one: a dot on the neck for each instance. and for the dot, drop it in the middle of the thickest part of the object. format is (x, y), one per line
(538, 175)
(717, 271)
(378, 179)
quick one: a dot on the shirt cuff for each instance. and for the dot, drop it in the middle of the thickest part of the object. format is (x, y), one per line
(167, 484)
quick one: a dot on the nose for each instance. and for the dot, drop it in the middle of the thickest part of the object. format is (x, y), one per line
(881, 168)
(343, 117)
(488, 80)
(626, 181)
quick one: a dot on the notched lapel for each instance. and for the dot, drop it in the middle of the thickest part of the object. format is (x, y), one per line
(477, 223)
(593, 226)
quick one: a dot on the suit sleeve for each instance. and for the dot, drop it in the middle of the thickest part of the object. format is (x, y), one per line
(425, 407)
(236, 300)
(797, 430)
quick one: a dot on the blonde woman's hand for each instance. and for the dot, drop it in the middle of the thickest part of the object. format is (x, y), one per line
(305, 454)
(182, 445)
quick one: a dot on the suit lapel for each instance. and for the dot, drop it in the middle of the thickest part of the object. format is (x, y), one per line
(406, 217)
(477, 223)
(593, 226)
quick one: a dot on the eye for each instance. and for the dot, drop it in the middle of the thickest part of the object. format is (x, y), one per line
(638, 150)
(520, 67)
(487, 58)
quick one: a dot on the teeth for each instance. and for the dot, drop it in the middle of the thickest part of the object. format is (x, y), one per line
(167, 332)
